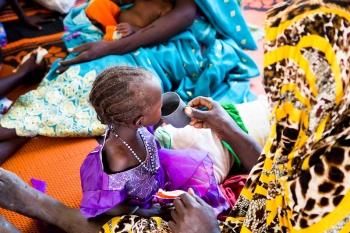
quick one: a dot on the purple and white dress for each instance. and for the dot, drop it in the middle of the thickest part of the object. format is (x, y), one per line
(174, 170)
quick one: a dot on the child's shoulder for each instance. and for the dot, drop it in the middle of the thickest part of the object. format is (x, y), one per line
(113, 160)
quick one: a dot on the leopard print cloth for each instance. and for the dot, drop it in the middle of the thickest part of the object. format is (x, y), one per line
(133, 223)
(301, 181)
(302, 178)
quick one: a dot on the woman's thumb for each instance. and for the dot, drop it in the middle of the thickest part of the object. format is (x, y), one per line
(195, 113)
(188, 111)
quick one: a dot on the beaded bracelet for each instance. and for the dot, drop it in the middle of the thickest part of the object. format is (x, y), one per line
(134, 210)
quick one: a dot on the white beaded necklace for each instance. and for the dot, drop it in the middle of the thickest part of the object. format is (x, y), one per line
(152, 168)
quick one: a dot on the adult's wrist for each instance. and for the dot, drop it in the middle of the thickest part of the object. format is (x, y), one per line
(230, 130)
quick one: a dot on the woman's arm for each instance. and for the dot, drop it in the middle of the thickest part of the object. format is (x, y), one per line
(31, 22)
(119, 210)
(164, 28)
(217, 119)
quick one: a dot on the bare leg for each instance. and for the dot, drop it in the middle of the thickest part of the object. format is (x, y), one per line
(6, 227)
(19, 197)
(9, 147)
(29, 72)
(6, 134)
(10, 143)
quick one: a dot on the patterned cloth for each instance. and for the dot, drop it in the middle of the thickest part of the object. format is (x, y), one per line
(301, 180)
(59, 107)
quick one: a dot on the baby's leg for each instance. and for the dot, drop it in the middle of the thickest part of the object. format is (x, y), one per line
(6, 227)
(21, 198)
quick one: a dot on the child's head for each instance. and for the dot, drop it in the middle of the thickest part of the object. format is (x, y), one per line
(127, 96)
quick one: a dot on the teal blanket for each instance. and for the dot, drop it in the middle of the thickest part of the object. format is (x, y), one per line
(220, 71)
(59, 107)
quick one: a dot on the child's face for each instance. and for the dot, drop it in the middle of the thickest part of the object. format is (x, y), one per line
(153, 115)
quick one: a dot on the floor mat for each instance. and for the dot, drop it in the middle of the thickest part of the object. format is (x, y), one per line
(57, 162)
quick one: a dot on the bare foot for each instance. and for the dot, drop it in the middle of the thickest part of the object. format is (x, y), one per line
(125, 29)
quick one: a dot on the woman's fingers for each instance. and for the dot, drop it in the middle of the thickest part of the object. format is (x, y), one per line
(197, 114)
(202, 102)
(46, 20)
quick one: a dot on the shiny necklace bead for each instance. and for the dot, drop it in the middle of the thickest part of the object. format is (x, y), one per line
(149, 151)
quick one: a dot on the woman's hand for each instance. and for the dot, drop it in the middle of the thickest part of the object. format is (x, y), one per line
(88, 52)
(31, 71)
(35, 21)
(154, 211)
(193, 215)
(214, 116)
(217, 119)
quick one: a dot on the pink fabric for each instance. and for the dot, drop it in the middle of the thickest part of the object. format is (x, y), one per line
(232, 187)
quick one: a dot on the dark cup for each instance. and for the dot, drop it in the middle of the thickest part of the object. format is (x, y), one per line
(173, 110)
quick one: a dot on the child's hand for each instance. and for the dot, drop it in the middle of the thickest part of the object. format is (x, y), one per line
(154, 211)
(125, 29)
(165, 211)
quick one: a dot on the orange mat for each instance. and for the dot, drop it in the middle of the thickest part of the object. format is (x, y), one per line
(57, 162)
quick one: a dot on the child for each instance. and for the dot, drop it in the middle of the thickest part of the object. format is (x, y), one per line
(122, 175)
(117, 23)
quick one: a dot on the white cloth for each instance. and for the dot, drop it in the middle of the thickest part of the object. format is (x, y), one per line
(206, 140)
(62, 6)
(5, 104)
(255, 116)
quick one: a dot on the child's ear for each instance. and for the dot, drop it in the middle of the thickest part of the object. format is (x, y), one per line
(138, 121)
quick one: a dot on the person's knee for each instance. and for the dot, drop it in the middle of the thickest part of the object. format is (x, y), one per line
(6, 134)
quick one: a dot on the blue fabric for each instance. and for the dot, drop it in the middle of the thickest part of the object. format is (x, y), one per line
(181, 64)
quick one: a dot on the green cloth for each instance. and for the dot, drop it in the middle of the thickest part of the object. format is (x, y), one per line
(233, 112)
(163, 137)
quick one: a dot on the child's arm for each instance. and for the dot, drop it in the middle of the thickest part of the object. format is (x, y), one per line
(124, 209)
(121, 209)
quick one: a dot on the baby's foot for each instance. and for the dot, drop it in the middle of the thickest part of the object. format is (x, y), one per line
(125, 29)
